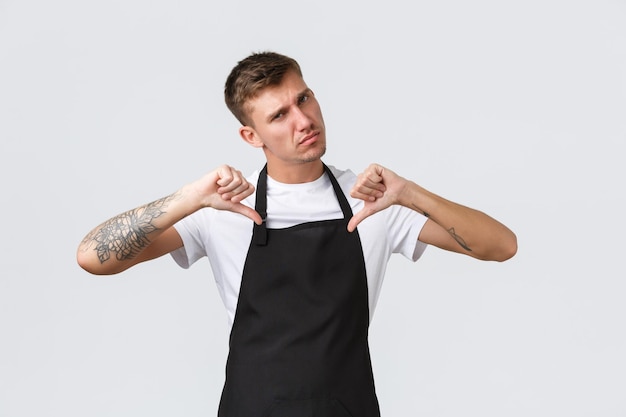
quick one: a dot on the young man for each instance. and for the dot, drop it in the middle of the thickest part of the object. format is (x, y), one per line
(298, 278)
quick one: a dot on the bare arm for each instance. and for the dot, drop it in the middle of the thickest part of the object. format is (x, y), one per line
(450, 226)
(146, 232)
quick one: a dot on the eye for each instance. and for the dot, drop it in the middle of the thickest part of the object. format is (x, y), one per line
(303, 98)
(277, 116)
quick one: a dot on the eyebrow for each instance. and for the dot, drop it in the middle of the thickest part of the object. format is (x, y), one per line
(282, 109)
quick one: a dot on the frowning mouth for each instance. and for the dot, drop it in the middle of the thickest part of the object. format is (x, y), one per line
(309, 139)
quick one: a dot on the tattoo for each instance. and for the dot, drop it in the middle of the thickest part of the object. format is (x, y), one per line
(458, 239)
(451, 230)
(420, 211)
(127, 234)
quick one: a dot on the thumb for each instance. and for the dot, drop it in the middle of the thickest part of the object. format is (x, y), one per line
(358, 218)
(248, 212)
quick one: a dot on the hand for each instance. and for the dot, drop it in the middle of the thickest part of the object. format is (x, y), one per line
(379, 188)
(224, 189)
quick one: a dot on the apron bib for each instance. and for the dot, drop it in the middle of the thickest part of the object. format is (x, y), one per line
(298, 345)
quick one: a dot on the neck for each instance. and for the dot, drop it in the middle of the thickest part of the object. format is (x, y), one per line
(297, 173)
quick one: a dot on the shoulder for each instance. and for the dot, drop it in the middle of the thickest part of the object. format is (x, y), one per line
(253, 177)
(345, 177)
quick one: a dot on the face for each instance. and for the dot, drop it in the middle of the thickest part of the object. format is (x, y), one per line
(286, 121)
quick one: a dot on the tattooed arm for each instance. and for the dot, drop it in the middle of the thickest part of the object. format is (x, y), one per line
(450, 226)
(146, 232)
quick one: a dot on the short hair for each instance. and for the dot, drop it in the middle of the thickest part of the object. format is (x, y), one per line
(251, 75)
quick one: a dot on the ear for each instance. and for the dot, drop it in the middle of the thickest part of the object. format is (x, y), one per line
(249, 135)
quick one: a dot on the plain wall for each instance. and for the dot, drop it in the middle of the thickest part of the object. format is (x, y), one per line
(514, 108)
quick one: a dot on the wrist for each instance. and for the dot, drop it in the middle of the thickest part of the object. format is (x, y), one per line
(190, 198)
(415, 198)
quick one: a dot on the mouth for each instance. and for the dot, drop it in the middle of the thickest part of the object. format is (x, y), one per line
(309, 139)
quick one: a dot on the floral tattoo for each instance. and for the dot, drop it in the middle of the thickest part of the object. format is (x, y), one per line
(126, 235)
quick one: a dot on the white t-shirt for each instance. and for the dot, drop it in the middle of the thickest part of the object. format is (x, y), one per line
(224, 237)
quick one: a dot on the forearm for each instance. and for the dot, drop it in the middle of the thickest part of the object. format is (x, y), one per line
(451, 226)
(122, 241)
(467, 230)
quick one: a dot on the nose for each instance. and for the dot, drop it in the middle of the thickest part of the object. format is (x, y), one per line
(302, 120)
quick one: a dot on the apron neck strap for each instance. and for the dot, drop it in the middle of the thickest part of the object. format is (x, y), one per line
(259, 234)
(341, 198)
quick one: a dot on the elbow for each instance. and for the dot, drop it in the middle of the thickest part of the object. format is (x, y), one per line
(83, 261)
(501, 251)
(507, 249)
(90, 264)
(86, 264)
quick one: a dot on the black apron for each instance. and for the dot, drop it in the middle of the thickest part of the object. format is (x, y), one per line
(298, 346)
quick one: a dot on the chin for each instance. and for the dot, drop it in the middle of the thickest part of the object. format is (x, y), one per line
(314, 156)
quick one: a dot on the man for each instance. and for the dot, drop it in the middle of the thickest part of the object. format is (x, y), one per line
(298, 278)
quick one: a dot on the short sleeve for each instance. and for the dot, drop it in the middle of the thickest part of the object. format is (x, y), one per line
(189, 230)
(405, 226)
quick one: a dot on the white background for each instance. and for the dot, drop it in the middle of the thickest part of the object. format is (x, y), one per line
(515, 108)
